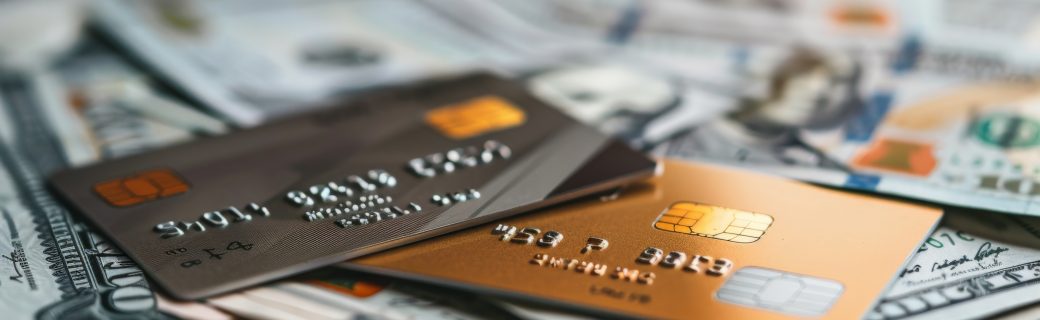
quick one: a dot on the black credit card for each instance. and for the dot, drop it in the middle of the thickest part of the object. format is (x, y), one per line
(392, 168)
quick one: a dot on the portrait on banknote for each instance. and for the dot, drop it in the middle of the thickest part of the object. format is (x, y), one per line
(807, 91)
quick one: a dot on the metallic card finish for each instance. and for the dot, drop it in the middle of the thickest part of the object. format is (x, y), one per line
(807, 251)
(313, 190)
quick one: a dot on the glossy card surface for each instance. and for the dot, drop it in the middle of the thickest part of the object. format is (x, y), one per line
(697, 242)
(391, 168)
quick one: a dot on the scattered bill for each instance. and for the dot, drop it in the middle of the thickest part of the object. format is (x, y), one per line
(885, 64)
(907, 127)
(868, 25)
(969, 27)
(931, 135)
(697, 241)
(251, 61)
(927, 99)
(976, 265)
(53, 266)
(335, 295)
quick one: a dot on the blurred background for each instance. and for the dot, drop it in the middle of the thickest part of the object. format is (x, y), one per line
(927, 100)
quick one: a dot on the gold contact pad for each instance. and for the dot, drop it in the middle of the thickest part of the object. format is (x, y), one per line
(714, 222)
(475, 117)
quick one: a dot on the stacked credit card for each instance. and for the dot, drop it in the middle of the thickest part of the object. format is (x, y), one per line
(221, 214)
(451, 160)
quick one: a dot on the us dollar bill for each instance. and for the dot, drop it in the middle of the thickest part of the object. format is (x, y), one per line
(53, 265)
(976, 265)
(905, 123)
(212, 50)
(920, 108)
(336, 294)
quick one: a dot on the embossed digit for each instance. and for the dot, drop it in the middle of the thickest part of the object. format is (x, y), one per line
(695, 263)
(238, 216)
(497, 149)
(215, 218)
(258, 209)
(650, 256)
(720, 267)
(596, 244)
(168, 229)
(329, 192)
(360, 183)
(526, 235)
(466, 157)
(421, 168)
(299, 199)
(674, 259)
(188, 225)
(506, 231)
(382, 178)
(550, 239)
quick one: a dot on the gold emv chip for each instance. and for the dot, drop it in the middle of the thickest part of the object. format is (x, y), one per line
(475, 117)
(714, 222)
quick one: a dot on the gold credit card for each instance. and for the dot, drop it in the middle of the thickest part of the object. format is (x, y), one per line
(698, 241)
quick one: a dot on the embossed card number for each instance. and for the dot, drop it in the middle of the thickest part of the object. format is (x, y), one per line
(352, 199)
(650, 256)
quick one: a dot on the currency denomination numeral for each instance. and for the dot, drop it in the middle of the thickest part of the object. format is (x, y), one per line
(937, 243)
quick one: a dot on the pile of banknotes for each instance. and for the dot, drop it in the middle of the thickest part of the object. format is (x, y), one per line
(871, 159)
